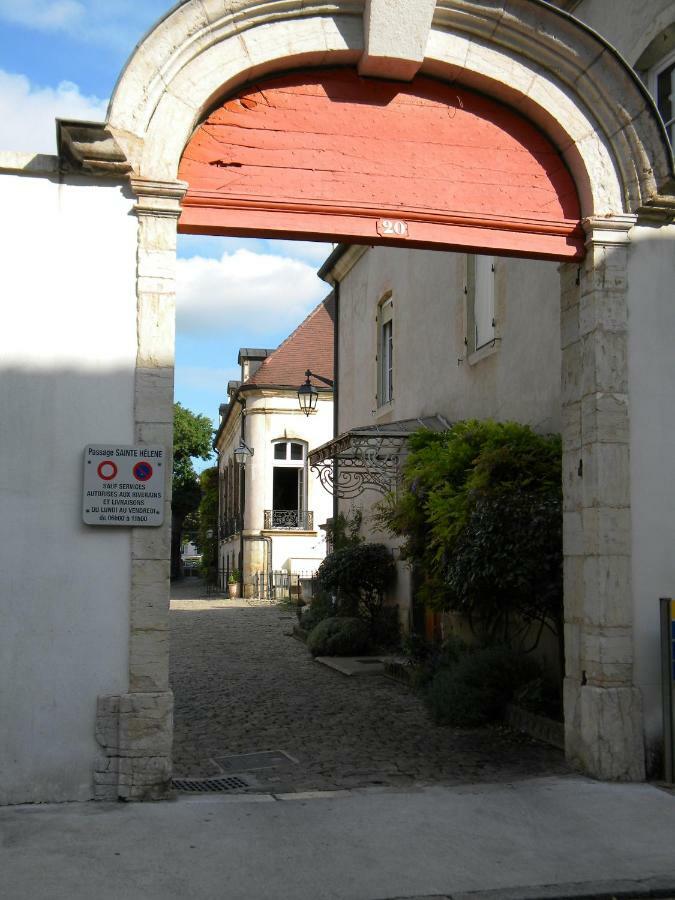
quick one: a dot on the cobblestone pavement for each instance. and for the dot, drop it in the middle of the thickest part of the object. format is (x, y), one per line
(243, 685)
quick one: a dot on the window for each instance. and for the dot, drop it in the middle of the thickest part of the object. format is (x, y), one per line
(480, 302)
(385, 351)
(662, 87)
(289, 486)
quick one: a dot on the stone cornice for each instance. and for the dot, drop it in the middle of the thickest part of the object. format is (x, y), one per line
(341, 262)
(608, 229)
(90, 148)
(660, 210)
(158, 198)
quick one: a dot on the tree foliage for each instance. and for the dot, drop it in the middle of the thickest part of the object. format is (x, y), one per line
(192, 437)
(480, 510)
(207, 515)
(343, 531)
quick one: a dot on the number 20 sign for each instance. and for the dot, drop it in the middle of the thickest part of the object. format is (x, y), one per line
(392, 228)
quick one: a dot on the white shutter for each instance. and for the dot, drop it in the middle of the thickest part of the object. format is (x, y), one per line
(484, 302)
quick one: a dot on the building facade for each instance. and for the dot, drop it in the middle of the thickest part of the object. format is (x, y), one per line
(487, 346)
(271, 508)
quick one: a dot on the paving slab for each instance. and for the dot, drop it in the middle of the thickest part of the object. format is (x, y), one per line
(353, 665)
(542, 838)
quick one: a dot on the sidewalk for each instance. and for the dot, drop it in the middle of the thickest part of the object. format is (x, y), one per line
(539, 838)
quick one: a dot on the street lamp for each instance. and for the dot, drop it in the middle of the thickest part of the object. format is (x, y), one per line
(242, 453)
(308, 395)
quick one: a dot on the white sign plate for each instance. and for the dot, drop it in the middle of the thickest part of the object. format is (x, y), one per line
(124, 485)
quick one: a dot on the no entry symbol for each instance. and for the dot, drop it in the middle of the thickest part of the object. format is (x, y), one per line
(142, 471)
(107, 470)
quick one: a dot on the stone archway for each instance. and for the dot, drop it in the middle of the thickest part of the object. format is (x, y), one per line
(578, 92)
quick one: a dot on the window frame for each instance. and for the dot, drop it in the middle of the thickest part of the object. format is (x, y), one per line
(385, 350)
(289, 463)
(666, 62)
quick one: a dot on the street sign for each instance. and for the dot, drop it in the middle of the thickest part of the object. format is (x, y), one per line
(123, 485)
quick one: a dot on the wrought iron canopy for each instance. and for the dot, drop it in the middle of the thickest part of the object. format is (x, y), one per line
(368, 458)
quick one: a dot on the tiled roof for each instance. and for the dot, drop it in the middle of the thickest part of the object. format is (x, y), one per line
(310, 346)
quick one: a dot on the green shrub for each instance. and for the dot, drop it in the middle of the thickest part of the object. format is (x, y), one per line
(358, 578)
(386, 628)
(542, 697)
(319, 609)
(478, 686)
(480, 511)
(359, 573)
(339, 636)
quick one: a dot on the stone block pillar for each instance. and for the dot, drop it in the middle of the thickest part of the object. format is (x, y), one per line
(135, 730)
(603, 710)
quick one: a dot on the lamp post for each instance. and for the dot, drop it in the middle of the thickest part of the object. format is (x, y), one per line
(308, 395)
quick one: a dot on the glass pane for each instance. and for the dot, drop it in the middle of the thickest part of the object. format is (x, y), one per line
(296, 451)
(386, 375)
(280, 451)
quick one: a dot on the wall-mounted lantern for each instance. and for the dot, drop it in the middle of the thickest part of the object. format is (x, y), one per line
(308, 395)
(242, 453)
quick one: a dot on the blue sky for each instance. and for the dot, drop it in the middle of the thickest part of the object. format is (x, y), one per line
(62, 58)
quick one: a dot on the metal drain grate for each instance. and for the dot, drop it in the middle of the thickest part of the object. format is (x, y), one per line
(209, 785)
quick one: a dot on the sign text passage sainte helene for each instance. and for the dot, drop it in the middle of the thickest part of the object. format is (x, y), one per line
(124, 485)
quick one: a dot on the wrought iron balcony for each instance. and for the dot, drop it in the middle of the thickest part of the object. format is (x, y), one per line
(289, 520)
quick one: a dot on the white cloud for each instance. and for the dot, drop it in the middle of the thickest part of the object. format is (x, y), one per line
(252, 293)
(47, 15)
(27, 112)
(311, 251)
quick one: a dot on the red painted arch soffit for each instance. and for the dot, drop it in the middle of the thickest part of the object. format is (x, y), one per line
(329, 155)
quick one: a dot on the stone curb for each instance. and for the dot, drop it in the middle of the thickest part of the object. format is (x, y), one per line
(583, 890)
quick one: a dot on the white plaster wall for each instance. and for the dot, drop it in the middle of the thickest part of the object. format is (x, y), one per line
(67, 355)
(520, 380)
(628, 25)
(651, 365)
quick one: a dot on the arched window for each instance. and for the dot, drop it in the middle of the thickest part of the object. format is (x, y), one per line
(289, 486)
